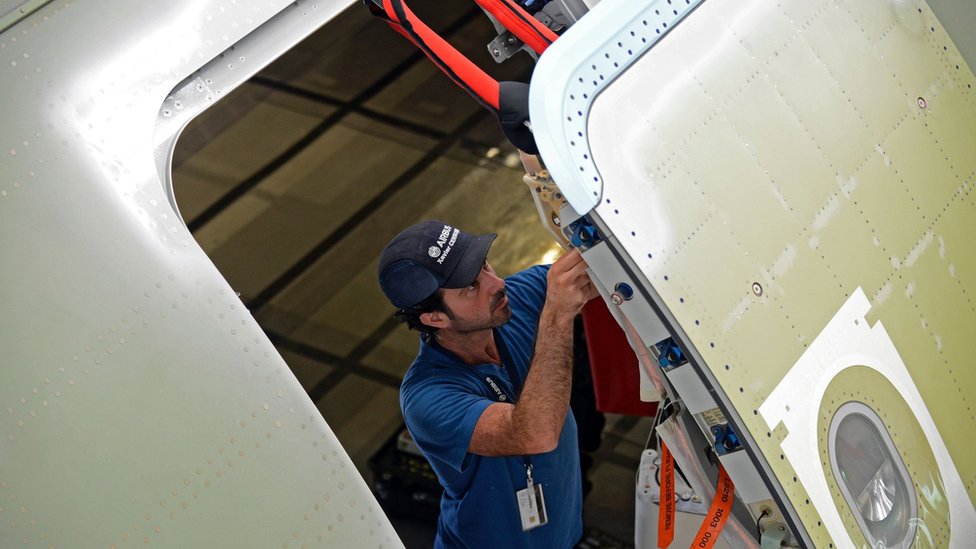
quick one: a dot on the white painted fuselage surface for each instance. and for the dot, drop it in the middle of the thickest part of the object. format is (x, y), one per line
(140, 403)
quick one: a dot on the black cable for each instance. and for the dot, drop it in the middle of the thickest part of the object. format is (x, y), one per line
(765, 513)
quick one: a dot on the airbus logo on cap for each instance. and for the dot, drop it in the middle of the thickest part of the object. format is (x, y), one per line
(445, 232)
(439, 250)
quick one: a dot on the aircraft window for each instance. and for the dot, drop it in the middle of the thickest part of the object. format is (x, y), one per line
(872, 476)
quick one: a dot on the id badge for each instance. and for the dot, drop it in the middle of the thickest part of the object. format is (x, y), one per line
(532, 506)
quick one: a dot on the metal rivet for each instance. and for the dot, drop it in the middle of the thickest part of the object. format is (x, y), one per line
(757, 289)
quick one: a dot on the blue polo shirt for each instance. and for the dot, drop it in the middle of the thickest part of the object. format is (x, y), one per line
(442, 399)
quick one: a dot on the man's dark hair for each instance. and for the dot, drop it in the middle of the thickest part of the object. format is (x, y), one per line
(411, 315)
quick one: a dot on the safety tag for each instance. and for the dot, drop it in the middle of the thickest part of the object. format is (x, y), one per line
(532, 505)
(665, 512)
(718, 512)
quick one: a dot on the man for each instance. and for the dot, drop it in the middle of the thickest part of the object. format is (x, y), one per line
(486, 400)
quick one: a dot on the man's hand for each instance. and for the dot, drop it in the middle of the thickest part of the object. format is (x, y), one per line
(569, 286)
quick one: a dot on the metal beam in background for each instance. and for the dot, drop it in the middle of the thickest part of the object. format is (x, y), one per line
(345, 108)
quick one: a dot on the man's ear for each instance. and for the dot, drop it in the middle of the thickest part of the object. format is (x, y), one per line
(435, 319)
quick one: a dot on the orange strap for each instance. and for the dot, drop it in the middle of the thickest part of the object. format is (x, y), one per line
(665, 512)
(453, 63)
(718, 513)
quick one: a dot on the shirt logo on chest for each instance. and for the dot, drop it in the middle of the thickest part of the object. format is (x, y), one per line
(496, 388)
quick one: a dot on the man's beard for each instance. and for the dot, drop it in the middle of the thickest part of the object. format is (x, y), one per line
(499, 316)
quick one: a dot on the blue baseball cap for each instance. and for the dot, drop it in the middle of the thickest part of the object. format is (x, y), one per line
(428, 256)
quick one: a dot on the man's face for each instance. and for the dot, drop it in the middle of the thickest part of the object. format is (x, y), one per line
(482, 305)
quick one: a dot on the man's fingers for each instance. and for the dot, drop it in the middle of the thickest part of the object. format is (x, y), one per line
(568, 260)
(570, 280)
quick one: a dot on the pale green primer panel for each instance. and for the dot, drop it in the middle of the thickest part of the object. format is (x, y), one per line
(815, 148)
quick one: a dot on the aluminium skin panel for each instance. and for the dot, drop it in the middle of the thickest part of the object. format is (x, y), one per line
(794, 183)
(140, 403)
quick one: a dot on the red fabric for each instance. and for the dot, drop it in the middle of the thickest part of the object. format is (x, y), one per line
(613, 364)
(445, 56)
(527, 28)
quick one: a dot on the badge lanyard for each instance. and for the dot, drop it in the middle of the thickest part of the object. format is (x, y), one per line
(532, 505)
